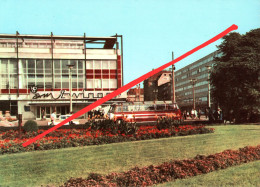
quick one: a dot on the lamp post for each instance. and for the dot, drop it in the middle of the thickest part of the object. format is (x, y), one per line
(9, 104)
(70, 66)
(193, 82)
(209, 103)
(173, 84)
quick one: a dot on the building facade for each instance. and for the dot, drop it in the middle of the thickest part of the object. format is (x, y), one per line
(158, 87)
(196, 73)
(34, 73)
(135, 94)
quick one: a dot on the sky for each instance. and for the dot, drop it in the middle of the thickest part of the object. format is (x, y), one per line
(151, 29)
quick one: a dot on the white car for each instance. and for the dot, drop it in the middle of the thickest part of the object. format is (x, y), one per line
(62, 118)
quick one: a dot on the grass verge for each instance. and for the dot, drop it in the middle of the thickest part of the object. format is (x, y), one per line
(57, 166)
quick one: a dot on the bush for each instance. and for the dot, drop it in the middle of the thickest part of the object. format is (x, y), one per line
(127, 128)
(168, 122)
(30, 126)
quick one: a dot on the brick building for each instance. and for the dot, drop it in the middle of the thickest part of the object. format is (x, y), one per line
(158, 87)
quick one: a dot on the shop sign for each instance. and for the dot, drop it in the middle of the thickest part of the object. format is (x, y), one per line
(55, 95)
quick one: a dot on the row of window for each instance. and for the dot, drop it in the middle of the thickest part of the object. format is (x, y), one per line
(42, 45)
(38, 72)
(101, 83)
(196, 100)
(101, 64)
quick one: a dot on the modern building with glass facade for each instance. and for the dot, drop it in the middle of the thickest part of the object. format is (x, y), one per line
(34, 75)
(197, 73)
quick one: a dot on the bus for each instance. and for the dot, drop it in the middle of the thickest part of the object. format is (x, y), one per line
(144, 112)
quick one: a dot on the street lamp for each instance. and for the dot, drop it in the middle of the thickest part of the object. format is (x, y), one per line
(173, 84)
(70, 66)
(9, 104)
(209, 103)
(193, 82)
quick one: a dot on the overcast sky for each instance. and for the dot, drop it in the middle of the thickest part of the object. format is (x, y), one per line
(151, 29)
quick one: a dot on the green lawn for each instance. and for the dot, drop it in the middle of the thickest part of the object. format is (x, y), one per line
(57, 166)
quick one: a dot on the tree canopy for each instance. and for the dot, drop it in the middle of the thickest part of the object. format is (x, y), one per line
(236, 76)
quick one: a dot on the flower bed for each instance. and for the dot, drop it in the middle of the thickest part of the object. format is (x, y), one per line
(177, 169)
(62, 138)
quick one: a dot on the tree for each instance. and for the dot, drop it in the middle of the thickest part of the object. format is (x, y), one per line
(236, 76)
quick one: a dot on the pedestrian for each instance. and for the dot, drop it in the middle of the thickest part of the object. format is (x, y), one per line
(192, 113)
(43, 115)
(206, 113)
(216, 116)
(220, 114)
(195, 114)
(53, 117)
(210, 115)
(199, 113)
(185, 115)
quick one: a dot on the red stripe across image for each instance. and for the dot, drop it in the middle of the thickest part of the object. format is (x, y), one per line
(131, 84)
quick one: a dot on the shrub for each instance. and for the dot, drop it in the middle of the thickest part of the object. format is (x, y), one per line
(127, 128)
(167, 122)
(30, 126)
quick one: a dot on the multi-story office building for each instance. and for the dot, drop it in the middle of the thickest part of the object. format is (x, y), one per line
(196, 73)
(34, 72)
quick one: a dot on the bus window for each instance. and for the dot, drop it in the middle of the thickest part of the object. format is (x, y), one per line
(119, 109)
(136, 108)
(131, 108)
(149, 107)
(160, 107)
(112, 109)
(172, 106)
(125, 108)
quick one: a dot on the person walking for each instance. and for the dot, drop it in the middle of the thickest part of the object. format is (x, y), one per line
(192, 113)
(210, 115)
(199, 113)
(43, 115)
(53, 117)
(195, 114)
(185, 115)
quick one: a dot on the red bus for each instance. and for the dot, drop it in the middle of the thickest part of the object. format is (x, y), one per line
(144, 112)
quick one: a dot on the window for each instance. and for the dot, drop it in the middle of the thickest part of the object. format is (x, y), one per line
(90, 83)
(105, 83)
(105, 64)
(97, 83)
(97, 64)
(112, 64)
(89, 64)
(113, 83)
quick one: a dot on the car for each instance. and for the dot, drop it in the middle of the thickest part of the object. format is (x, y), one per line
(62, 118)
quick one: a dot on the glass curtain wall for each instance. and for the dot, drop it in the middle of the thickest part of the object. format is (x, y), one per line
(61, 74)
(38, 72)
(8, 76)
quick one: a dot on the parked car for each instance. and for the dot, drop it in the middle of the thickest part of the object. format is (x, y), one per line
(62, 118)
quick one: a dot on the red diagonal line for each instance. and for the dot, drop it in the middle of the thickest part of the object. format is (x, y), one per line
(130, 85)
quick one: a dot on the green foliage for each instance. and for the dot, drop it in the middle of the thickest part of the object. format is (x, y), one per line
(167, 123)
(104, 125)
(236, 76)
(30, 126)
(127, 128)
